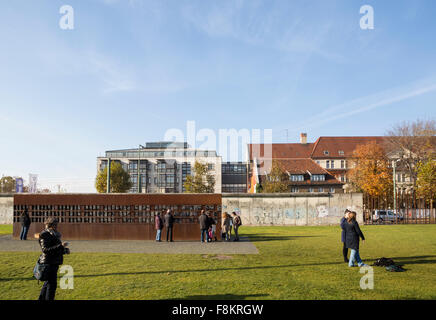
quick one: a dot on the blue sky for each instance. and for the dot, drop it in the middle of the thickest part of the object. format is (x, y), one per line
(131, 70)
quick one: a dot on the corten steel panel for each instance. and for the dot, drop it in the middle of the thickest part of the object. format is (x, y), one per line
(115, 216)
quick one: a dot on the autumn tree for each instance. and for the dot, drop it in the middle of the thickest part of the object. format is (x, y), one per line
(201, 181)
(426, 179)
(119, 179)
(412, 143)
(277, 181)
(370, 171)
(7, 184)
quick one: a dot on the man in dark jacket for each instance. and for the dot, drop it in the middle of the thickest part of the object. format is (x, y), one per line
(52, 255)
(204, 226)
(158, 224)
(25, 224)
(169, 221)
(344, 247)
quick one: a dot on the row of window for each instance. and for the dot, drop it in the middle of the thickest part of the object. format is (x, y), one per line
(233, 168)
(340, 152)
(331, 164)
(151, 154)
(331, 190)
(234, 188)
(313, 177)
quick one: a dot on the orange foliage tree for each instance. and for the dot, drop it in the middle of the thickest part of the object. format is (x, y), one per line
(370, 171)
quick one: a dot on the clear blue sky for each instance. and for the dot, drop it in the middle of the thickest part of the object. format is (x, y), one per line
(130, 70)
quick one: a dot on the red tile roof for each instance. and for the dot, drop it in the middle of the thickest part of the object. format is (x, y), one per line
(281, 150)
(336, 144)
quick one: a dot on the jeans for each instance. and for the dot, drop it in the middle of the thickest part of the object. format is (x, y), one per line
(158, 234)
(48, 290)
(23, 234)
(235, 228)
(204, 231)
(354, 256)
(170, 233)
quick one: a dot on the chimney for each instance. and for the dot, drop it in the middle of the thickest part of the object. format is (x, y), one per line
(303, 138)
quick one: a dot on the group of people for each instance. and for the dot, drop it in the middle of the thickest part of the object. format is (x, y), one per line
(350, 237)
(207, 226)
(229, 222)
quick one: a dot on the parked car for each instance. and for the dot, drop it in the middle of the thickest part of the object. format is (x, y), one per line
(386, 215)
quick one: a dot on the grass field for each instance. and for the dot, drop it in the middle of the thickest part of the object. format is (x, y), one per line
(5, 229)
(294, 263)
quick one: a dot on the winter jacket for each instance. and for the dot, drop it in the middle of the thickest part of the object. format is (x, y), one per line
(169, 220)
(352, 234)
(158, 223)
(226, 225)
(52, 249)
(343, 222)
(204, 221)
(25, 220)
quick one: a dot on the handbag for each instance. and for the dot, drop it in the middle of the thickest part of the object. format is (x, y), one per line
(40, 271)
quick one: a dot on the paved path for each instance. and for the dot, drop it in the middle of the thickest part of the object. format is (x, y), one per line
(135, 246)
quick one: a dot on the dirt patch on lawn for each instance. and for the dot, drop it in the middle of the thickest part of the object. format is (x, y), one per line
(217, 257)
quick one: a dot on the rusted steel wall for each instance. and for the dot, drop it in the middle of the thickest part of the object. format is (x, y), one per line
(116, 216)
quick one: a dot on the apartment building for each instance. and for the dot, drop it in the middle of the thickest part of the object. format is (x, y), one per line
(162, 167)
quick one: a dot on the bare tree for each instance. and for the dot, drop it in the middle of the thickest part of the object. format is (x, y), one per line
(412, 143)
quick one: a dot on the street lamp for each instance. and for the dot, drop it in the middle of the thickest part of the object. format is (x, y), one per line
(395, 187)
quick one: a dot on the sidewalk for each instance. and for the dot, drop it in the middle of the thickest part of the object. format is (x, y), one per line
(244, 246)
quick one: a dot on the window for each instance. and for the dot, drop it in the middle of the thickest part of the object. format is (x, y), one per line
(317, 177)
(342, 164)
(341, 152)
(332, 165)
(294, 189)
(342, 178)
(297, 177)
(327, 164)
(326, 152)
(332, 190)
(310, 189)
(318, 162)
(321, 190)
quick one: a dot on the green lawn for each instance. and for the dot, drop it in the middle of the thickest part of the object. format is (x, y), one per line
(5, 229)
(294, 263)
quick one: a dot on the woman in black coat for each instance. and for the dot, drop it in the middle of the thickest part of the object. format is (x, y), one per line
(352, 235)
(53, 251)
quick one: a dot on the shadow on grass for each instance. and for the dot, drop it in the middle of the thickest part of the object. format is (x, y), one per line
(222, 297)
(414, 260)
(167, 272)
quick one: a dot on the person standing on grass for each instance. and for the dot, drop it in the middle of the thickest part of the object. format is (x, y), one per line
(158, 224)
(25, 224)
(225, 227)
(169, 221)
(352, 237)
(344, 247)
(236, 224)
(203, 219)
(53, 251)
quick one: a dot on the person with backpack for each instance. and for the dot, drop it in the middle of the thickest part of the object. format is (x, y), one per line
(25, 224)
(352, 237)
(344, 247)
(158, 224)
(53, 250)
(169, 222)
(237, 222)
